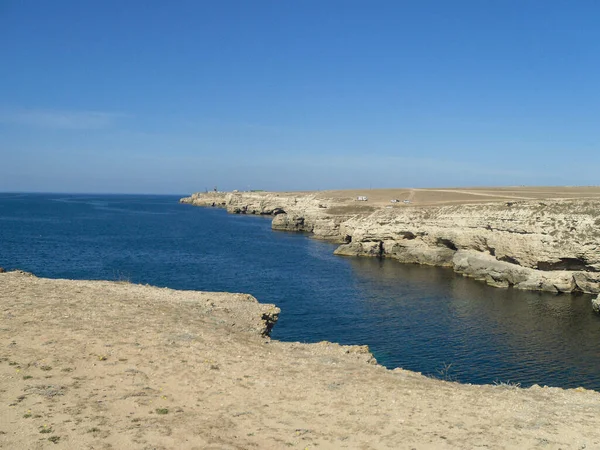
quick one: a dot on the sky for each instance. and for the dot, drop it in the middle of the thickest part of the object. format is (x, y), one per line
(126, 96)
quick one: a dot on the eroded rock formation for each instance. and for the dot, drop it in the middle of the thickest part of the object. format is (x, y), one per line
(549, 245)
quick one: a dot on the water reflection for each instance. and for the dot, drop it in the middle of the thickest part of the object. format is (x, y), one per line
(415, 317)
(487, 334)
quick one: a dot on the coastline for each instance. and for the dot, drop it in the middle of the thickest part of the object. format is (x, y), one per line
(546, 244)
(115, 364)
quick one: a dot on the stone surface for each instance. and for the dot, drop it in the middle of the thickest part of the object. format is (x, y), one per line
(549, 245)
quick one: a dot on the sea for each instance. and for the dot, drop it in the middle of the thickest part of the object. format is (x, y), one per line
(423, 319)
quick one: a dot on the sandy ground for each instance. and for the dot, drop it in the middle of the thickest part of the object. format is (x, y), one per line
(449, 196)
(104, 365)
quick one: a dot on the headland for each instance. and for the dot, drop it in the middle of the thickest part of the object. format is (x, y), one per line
(545, 239)
(98, 364)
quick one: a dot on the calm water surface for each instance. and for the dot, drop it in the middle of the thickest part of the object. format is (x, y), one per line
(419, 318)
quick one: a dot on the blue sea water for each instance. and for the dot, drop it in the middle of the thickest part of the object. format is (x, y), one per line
(420, 318)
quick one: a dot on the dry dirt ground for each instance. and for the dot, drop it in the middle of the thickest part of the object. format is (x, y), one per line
(450, 196)
(104, 365)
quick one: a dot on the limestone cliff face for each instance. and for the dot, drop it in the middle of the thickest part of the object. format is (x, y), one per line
(550, 245)
(293, 212)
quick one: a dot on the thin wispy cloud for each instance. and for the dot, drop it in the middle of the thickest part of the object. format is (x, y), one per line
(62, 120)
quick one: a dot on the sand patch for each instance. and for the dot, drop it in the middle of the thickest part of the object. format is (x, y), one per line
(93, 364)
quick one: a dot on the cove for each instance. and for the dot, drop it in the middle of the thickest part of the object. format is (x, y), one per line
(420, 318)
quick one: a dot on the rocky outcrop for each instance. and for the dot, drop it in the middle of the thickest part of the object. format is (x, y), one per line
(596, 304)
(292, 212)
(550, 245)
(214, 199)
(504, 274)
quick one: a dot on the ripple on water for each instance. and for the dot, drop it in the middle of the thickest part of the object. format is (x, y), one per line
(420, 318)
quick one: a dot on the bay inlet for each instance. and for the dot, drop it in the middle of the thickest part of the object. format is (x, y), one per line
(420, 318)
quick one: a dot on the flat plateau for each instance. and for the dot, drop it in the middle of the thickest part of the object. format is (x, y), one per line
(100, 365)
(466, 195)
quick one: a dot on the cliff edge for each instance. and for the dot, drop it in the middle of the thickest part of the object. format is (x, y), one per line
(97, 364)
(548, 241)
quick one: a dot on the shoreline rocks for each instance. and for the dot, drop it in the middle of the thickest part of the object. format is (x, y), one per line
(549, 245)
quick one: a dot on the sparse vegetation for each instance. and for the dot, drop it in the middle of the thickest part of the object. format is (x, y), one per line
(444, 372)
(507, 384)
(120, 277)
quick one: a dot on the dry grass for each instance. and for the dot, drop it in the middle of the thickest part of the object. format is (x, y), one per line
(449, 196)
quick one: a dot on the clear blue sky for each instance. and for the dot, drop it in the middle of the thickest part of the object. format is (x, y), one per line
(178, 96)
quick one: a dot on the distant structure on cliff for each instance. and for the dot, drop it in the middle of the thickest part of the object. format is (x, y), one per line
(362, 198)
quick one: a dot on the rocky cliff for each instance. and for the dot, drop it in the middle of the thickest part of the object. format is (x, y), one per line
(549, 245)
(292, 211)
